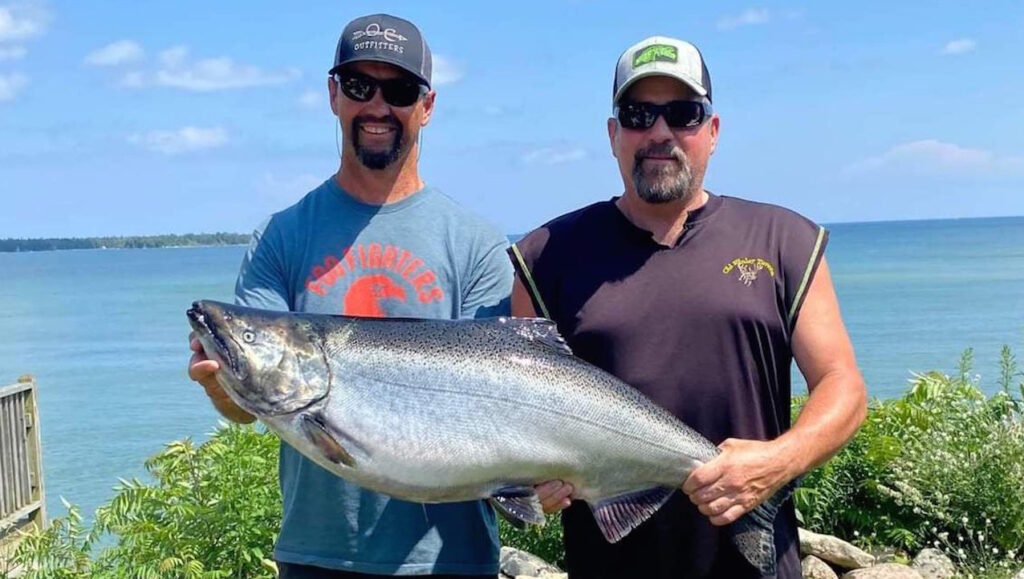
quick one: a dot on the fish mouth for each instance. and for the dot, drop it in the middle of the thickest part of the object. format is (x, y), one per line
(208, 336)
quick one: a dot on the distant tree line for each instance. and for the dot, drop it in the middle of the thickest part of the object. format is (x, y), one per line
(132, 242)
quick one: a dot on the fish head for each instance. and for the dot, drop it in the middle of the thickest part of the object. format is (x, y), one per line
(272, 363)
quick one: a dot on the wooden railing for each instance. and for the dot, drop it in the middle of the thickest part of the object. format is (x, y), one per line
(22, 498)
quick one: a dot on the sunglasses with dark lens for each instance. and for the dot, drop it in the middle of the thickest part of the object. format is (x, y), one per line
(678, 114)
(397, 92)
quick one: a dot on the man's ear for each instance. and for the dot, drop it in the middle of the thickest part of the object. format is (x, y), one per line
(428, 107)
(715, 125)
(613, 126)
(332, 90)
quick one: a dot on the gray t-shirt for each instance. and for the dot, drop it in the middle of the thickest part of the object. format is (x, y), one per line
(422, 257)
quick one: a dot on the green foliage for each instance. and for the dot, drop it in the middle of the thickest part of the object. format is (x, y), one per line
(187, 240)
(212, 512)
(943, 466)
(544, 542)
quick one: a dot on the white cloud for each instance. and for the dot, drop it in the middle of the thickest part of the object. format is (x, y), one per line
(174, 57)
(959, 46)
(115, 53)
(445, 71)
(133, 80)
(205, 75)
(554, 156)
(933, 157)
(11, 85)
(22, 21)
(12, 53)
(748, 17)
(182, 140)
(312, 99)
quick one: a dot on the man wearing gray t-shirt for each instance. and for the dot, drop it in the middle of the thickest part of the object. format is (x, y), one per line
(373, 240)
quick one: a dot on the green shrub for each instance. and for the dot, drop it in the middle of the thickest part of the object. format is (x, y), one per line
(213, 511)
(943, 466)
(544, 542)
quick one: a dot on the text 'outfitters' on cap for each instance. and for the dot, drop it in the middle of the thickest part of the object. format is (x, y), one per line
(384, 38)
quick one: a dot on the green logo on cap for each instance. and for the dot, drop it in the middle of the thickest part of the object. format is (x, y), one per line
(655, 52)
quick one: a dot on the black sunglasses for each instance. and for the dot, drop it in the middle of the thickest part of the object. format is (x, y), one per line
(641, 116)
(397, 92)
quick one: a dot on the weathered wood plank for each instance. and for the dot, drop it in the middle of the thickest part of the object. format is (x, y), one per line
(21, 482)
(6, 391)
(7, 466)
(35, 455)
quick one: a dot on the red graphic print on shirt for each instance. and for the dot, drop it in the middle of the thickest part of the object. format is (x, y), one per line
(378, 273)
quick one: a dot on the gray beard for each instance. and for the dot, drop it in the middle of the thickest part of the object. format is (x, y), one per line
(665, 184)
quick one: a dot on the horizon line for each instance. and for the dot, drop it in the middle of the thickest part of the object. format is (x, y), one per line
(823, 223)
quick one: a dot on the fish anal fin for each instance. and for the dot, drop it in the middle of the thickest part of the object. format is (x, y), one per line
(519, 506)
(618, 515)
(540, 331)
(317, 433)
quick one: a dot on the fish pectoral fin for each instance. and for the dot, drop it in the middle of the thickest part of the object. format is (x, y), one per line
(618, 515)
(519, 506)
(316, 431)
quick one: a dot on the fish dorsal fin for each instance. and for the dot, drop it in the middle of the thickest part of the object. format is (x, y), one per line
(519, 506)
(618, 515)
(538, 330)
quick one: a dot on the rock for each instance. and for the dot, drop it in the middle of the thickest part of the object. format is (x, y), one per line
(934, 564)
(833, 550)
(884, 571)
(515, 563)
(814, 568)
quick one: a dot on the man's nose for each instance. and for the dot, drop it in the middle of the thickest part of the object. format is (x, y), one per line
(660, 131)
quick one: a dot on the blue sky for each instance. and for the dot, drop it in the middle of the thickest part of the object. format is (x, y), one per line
(126, 118)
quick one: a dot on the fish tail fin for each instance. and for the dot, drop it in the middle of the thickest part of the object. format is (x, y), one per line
(754, 533)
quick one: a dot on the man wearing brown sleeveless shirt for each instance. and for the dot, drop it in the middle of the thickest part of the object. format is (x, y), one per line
(701, 302)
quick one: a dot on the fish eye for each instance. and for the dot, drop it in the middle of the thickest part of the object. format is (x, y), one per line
(249, 336)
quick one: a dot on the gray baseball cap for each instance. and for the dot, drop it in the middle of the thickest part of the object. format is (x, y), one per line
(384, 38)
(661, 56)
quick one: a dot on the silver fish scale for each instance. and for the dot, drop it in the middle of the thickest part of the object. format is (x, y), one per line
(471, 403)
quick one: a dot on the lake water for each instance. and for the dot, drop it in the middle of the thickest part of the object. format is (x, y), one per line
(104, 332)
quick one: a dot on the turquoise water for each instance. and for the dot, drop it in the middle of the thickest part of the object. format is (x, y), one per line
(105, 332)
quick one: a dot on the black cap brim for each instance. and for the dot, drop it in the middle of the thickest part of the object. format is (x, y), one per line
(384, 60)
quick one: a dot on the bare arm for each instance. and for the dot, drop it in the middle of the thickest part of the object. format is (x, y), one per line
(837, 404)
(749, 471)
(522, 305)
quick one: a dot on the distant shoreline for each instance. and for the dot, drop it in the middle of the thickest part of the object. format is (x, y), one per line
(127, 242)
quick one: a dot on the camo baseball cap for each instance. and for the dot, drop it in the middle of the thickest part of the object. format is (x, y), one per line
(384, 38)
(664, 56)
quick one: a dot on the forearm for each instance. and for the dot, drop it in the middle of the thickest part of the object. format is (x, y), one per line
(226, 406)
(233, 412)
(834, 411)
